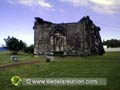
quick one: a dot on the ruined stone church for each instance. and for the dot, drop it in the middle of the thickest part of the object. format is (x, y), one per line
(79, 38)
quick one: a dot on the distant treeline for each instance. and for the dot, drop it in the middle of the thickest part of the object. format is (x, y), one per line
(112, 43)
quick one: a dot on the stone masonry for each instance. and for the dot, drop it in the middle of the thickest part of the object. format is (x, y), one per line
(80, 38)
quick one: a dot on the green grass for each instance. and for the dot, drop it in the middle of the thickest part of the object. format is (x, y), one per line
(107, 66)
(5, 57)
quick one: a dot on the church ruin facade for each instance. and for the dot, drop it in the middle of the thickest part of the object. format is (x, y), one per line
(80, 38)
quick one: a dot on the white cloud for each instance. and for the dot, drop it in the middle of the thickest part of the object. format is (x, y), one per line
(44, 4)
(41, 3)
(102, 2)
(100, 6)
(76, 2)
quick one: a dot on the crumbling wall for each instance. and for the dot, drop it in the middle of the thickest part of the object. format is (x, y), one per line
(80, 38)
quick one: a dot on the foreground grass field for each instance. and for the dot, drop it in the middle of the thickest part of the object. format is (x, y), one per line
(107, 66)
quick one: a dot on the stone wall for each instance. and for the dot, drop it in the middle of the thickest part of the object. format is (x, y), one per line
(79, 38)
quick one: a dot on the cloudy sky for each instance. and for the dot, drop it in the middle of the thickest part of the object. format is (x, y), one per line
(17, 16)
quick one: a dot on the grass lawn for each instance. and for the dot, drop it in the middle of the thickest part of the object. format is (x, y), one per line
(107, 66)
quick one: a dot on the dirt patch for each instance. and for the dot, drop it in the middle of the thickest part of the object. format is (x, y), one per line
(18, 64)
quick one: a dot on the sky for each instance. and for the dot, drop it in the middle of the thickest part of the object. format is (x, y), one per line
(17, 16)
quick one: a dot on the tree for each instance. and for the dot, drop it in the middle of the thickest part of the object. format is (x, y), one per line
(14, 45)
(29, 49)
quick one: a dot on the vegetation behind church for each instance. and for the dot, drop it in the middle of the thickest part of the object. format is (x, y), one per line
(112, 43)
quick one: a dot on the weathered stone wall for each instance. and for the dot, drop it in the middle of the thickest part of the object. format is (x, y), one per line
(80, 38)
